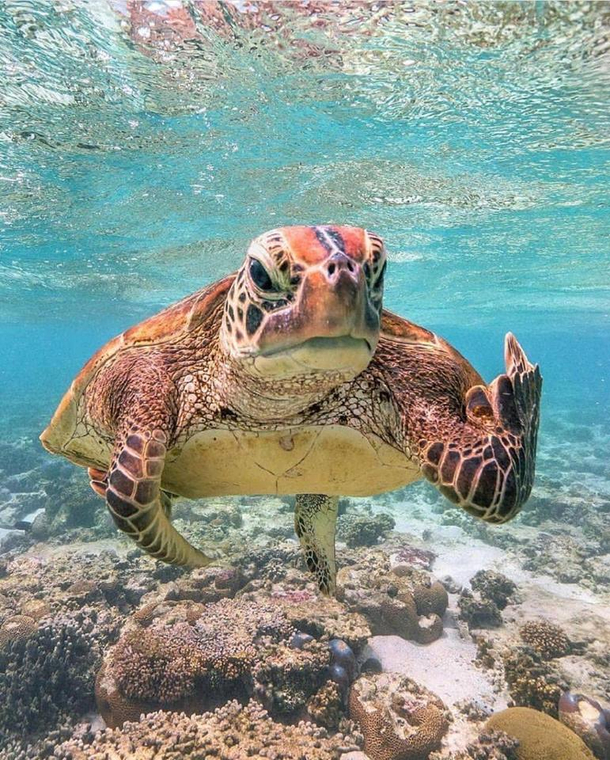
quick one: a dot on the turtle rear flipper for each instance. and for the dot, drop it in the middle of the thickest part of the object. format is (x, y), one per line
(138, 506)
(315, 519)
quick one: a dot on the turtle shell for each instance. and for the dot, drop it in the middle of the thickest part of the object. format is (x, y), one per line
(166, 326)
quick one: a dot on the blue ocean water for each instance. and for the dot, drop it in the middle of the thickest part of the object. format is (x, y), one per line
(476, 145)
(143, 144)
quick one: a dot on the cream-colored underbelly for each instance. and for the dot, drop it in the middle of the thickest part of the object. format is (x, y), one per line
(333, 460)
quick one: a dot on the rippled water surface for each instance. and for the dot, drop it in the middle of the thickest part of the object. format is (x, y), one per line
(135, 164)
(143, 144)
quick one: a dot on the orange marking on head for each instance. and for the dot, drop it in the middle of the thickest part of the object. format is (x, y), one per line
(308, 247)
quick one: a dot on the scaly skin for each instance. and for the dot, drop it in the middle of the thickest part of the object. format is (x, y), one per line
(253, 361)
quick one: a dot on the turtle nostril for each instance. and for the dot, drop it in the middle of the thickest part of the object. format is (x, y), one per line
(350, 266)
(331, 269)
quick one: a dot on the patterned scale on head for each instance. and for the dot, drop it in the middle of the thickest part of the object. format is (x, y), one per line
(305, 298)
(288, 377)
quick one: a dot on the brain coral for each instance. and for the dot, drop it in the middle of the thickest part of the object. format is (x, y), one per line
(547, 639)
(399, 719)
(232, 732)
(540, 736)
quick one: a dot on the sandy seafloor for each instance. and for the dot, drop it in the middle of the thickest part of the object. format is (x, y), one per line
(65, 565)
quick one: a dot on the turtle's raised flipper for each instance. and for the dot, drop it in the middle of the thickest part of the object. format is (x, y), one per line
(487, 467)
(315, 519)
(137, 504)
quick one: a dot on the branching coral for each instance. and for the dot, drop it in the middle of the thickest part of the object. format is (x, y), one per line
(493, 586)
(326, 706)
(324, 617)
(46, 673)
(479, 612)
(232, 732)
(531, 681)
(547, 639)
(481, 607)
(157, 665)
(187, 656)
(285, 678)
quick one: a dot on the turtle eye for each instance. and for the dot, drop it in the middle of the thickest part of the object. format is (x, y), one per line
(259, 275)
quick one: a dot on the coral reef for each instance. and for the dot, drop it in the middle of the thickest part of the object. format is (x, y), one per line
(399, 719)
(478, 612)
(326, 706)
(322, 617)
(47, 672)
(102, 577)
(406, 605)
(202, 585)
(232, 732)
(493, 586)
(540, 736)
(410, 556)
(186, 656)
(548, 640)
(532, 682)
(363, 530)
(489, 745)
(285, 678)
(587, 718)
(189, 657)
(481, 607)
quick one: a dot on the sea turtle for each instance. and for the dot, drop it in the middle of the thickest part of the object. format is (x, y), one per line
(288, 377)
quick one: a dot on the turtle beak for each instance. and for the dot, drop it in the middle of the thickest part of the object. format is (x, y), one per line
(333, 302)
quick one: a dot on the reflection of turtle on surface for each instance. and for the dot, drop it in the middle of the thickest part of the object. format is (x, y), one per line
(289, 378)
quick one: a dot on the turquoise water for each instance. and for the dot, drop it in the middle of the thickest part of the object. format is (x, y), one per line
(136, 165)
(479, 152)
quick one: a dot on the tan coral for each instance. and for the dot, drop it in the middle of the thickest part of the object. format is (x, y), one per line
(540, 736)
(409, 605)
(115, 708)
(232, 732)
(16, 628)
(400, 720)
(326, 706)
(323, 617)
(35, 608)
(547, 639)
(188, 657)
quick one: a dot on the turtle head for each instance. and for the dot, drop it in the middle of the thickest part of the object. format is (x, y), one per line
(306, 301)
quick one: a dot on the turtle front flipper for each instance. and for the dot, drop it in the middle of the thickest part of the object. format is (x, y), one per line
(315, 519)
(138, 506)
(487, 464)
